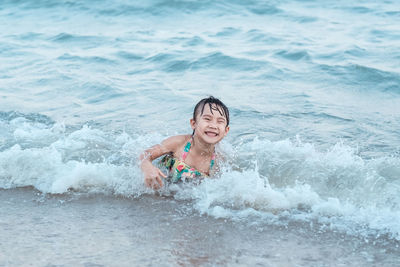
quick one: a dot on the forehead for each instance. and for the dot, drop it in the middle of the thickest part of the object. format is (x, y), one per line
(215, 110)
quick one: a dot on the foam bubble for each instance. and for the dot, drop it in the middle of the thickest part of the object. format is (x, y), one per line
(266, 180)
(291, 179)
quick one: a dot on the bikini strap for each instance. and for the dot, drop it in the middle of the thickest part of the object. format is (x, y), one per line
(212, 161)
(186, 152)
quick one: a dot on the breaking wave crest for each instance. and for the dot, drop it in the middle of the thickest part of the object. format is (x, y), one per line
(276, 181)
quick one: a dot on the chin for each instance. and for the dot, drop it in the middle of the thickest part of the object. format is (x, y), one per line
(212, 140)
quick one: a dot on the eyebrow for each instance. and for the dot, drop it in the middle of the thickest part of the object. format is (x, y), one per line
(210, 116)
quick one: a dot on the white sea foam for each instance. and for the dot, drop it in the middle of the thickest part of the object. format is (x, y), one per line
(56, 162)
(336, 187)
(268, 180)
(78, 105)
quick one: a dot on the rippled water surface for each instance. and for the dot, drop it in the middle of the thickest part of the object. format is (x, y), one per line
(313, 89)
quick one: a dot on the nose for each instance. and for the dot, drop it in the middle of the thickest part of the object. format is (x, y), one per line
(212, 125)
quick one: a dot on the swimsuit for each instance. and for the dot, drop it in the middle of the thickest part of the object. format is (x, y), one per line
(178, 169)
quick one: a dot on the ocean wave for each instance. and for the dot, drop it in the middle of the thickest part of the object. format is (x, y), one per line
(263, 9)
(223, 61)
(294, 55)
(216, 60)
(292, 180)
(78, 39)
(227, 31)
(141, 66)
(128, 55)
(32, 117)
(256, 35)
(367, 77)
(90, 59)
(266, 179)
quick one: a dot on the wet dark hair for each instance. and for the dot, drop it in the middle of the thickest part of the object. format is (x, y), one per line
(214, 104)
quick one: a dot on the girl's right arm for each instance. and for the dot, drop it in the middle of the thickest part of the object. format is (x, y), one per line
(152, 174)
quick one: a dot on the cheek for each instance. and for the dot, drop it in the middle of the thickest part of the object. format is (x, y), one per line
(225, 129)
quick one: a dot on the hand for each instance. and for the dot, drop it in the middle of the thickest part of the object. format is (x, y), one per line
(152, 177)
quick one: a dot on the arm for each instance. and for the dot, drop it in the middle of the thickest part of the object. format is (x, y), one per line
(152, 174)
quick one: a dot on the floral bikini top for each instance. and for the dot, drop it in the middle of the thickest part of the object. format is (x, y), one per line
(179, 170)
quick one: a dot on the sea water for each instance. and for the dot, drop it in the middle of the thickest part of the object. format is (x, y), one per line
(313, 89)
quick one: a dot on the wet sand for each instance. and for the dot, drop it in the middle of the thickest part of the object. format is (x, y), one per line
(98, 230)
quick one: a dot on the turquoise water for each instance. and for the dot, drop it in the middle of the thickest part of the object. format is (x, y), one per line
(313, 88)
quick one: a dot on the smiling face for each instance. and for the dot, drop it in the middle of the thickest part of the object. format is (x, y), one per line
(211, 125)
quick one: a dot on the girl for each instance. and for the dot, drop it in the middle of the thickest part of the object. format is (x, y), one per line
(189, 156)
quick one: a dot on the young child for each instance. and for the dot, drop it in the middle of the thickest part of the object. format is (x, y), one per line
(189, 156)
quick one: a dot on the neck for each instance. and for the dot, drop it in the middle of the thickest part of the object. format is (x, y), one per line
(201, 147)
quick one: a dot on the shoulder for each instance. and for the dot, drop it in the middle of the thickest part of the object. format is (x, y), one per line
(173, 143)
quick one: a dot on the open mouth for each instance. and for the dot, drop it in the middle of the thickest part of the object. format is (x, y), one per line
(211, 134)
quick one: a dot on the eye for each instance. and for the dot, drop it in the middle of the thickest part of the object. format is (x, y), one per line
(207, 119)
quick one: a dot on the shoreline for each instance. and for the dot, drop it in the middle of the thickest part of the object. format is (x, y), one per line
(154, 231)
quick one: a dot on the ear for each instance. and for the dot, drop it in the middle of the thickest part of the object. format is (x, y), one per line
(227, 128)
(192, 124)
